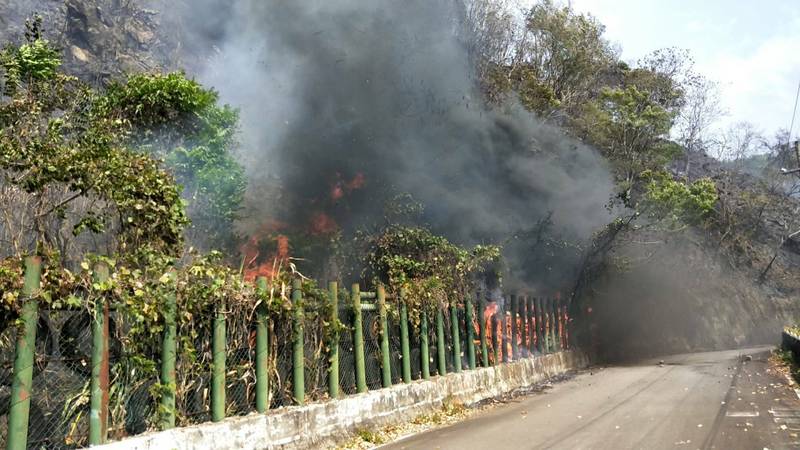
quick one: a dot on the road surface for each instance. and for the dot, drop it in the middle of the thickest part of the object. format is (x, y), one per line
(718, 400)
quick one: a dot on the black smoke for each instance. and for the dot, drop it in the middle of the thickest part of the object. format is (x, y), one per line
(332, 89)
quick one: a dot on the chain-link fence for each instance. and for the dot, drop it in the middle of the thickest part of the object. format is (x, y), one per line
(63, 366)
(61, 375)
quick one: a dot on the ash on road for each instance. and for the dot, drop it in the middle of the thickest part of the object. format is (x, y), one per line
(720, 400)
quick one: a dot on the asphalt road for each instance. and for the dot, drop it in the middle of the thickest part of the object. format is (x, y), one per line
(719, 400)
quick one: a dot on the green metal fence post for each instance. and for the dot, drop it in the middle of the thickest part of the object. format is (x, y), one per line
(440, 347)
(424, 347)
(545, 338)
(497, 341)
(456, 338)
(482, 332)
(358, 339)
(563, 327)
(262, 348)
(333, 345)
(98, 416)
(218, 342)
(565, 315)
(386, 358)
(405, 346)
(168, 355)
(547, 310)
(298, 341)
(469, 312)
(552, 321)
(514, 328)
(23, 358)
(504, 334)
(523, 321)
(551, 325)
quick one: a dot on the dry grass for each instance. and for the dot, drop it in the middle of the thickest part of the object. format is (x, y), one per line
(449, 414)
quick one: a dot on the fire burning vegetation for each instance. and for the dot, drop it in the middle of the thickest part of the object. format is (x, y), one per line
(373, 111)
(477, 174)
(445, 149)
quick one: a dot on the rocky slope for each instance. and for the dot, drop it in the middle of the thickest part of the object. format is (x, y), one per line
(730, 283)
(102, 39)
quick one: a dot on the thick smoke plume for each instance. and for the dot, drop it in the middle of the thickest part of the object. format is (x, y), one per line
(346, 103)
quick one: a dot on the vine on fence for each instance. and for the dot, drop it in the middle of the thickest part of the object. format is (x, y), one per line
(431, 271)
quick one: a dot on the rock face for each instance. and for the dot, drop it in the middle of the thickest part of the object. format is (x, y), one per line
(101, 38)
(683, 295)
(706, 287)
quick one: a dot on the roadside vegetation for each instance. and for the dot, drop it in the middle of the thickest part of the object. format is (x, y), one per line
(142, 174)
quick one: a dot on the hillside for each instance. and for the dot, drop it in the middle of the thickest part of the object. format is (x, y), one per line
(726, 282)
(702, 287)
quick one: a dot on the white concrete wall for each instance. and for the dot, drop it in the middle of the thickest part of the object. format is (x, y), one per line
(323, 424)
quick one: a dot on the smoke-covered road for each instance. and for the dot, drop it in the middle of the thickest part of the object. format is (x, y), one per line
(718, 400)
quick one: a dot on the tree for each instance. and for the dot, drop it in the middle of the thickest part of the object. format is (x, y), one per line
(82, 170)
(701, 109)
(176, 119)
(677, 202)
(632, 129)
(556, 61)
(65, 172)
(739, 141)
(492, 31)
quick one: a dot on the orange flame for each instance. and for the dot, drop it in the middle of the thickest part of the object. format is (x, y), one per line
(341, 187)
(356, 183)
(322, 223)
(256, 265)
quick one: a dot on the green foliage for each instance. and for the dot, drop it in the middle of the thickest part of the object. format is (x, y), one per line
(53, 140)
(561, 67)
(632, 129)
(372, 437)
(11, 280)
(402, 209)
(633, 109)
(175, 118)
(36, 60)
(532, 92)
(560, 63)
(67, 147)
(678, 202)
(147, 101)
(429, 269)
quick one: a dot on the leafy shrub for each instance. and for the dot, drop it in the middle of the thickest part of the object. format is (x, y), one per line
(678, 201)
(175, 118)
(431, 270)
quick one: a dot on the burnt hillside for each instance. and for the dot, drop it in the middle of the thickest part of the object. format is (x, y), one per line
(730, 283)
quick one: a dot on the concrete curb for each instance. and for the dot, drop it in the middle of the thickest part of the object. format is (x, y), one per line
(324, 424)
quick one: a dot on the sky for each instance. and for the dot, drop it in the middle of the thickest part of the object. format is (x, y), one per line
(750, 47)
